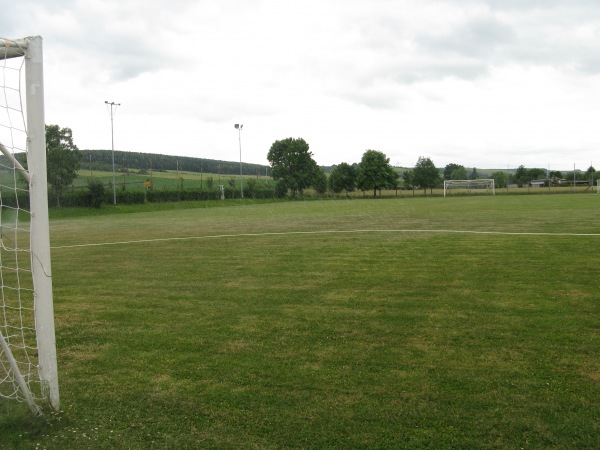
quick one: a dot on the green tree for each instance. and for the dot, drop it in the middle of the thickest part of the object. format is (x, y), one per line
(375, 172)
(292, 165)
(554, 177)
(408, 177)
(425, 174)
(342, 178)
(281, 188)
(459, 174)
(520, 176)
(63, 159)
(523, 176)
(474, 174)
(320, 181)
(449, 170)
(500, 179)
(536, 174)
(590, 174)
(96, 192)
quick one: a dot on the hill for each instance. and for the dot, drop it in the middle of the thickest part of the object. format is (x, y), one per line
(101, 160)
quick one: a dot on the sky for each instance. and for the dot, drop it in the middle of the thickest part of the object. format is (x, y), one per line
(481, 83)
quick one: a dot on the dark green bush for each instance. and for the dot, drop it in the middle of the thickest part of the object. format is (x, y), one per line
(14, 199)
(131, 197)
(281, 189)
(96, 192)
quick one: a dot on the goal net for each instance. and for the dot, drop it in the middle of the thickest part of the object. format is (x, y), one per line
(481, 186)
(28, 371)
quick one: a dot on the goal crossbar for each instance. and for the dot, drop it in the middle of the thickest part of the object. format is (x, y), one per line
(13, 48)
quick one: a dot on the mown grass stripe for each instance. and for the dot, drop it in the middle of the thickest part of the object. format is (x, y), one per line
(318, 232)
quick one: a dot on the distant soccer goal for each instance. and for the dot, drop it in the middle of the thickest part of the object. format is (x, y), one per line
(28, 369)
(481, 186)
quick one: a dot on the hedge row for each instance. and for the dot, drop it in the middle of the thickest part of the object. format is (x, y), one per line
(86, 198)
(10, 198)
(200, 195)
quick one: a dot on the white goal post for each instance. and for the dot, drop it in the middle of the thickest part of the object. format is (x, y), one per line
(483, 185)
(28, 368)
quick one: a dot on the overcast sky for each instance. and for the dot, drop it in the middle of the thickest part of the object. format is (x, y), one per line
(482, 83)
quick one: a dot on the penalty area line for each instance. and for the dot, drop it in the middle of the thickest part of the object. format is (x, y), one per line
(292, 233)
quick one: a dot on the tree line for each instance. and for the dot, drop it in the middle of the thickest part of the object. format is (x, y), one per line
(294, 170)
(292, 167)
(523, 176)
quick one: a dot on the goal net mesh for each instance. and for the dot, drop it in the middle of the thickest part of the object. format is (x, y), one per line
(17, 321)
(470, 186)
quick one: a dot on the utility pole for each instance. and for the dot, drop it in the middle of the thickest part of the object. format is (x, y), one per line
(113, 108)
(239, 128)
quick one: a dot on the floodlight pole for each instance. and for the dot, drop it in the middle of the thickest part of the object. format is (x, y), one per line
(239, 127)
(112, 136)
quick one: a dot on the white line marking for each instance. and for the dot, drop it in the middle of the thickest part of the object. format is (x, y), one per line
(290, 233)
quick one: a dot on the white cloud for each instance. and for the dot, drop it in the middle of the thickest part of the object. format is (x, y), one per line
(475, 82)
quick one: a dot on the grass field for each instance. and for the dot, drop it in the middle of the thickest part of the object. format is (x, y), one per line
(465, 322)
(166, 179)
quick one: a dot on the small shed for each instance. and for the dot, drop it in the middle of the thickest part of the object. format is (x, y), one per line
(537, 183)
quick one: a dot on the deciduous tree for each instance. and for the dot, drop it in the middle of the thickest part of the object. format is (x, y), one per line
(375, 172)
(342, 178)
(449, 170)
(520, 176)
(293, 166)
(63, 159)
(409, 180)
(500, 179)
(320, 181)
(425, 174)
(590, 174)
(459, 173)
(536, 174)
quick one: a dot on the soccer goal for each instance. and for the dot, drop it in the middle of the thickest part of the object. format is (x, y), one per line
(28, 369)
(481, 186)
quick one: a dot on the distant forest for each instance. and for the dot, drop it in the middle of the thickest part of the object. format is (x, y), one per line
(101, 160)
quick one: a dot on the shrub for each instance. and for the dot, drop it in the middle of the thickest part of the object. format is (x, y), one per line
(96, 192)
(131, 197)
(281, 189)
(250, 188)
